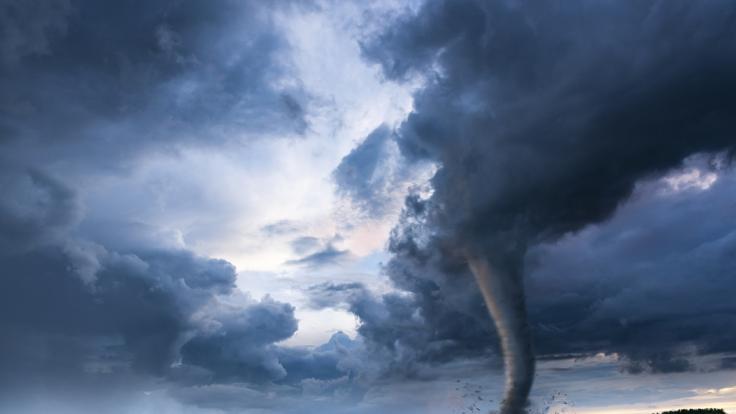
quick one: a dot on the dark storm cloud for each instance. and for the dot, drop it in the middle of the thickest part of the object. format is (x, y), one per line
(338, 358)
(728, 363)
(327, 295)
(138, 306)
(543, 117)
(110, 305)
(35, 209)
(328, 373)
(648, 284)
(240, 348)
(79, 316)
(104, 304)
(90, 85)
(83, 316)
(399, 332)
(25, 27)
(98, 82)
(165, 315)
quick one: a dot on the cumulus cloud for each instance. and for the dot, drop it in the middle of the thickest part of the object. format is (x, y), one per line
(138, 307)
(81, 315)
(236, 343)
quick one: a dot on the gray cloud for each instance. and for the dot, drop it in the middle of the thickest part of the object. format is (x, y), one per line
(98, 84)
(327, 256)
(27, 27)
(137, 308)
(305, 244)
(404, 334)
(375, 176)
(317, 252)
(647, 284)
(543, 118)
(364, 175)
(110, 305)
(80, 316)
(35, 209)
(322, 366)
(106, 306)
(240, 345)
(168, 317)
(281, 228)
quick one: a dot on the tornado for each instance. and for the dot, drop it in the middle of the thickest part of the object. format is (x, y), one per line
(503, 293)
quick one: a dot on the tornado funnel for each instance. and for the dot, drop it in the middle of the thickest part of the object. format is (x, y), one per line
(503, 293)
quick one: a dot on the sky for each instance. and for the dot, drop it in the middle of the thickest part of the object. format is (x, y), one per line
(439, 206)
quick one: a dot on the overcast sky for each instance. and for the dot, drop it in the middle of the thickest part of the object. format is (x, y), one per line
(269, 206)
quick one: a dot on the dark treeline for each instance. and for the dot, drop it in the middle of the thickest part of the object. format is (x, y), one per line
(696, 411)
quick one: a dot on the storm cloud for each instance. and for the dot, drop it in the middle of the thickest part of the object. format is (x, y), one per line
(87, 82)
(543, 118)
(646, 284)
(237, 206)
(80, 316)
(87, 91)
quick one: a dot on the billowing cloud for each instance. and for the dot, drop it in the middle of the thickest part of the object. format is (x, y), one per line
(89, 82)
(137, 308)
(543, 118)
(580, 153)
(646, 284)
(115, 303)
(237, 342)
(78, 315)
